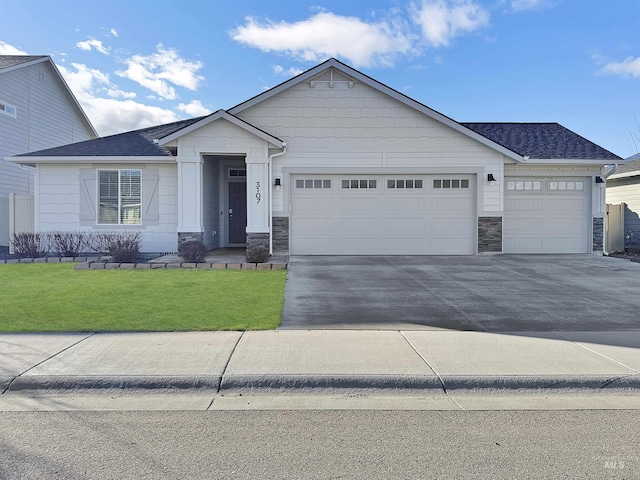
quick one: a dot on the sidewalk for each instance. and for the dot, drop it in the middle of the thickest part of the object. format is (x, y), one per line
(310, 362)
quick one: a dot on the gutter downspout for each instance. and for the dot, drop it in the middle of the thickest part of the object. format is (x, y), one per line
(613, 170)
(271, 157)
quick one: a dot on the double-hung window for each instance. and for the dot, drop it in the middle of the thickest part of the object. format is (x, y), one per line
(119, 197)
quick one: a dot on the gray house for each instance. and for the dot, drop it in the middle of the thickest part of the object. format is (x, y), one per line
(623, 187)
(333, 162)
(37, 110)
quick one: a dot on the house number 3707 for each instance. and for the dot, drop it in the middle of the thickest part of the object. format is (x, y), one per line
(258, 194)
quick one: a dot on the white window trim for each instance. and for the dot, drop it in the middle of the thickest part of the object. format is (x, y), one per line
(4, 106)
(119, 224)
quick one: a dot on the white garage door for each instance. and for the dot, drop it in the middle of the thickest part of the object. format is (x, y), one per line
(546, 215)
(383, 215)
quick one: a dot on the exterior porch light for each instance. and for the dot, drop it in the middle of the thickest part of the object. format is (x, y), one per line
(599, 179)
(491, 179)
(277, 182)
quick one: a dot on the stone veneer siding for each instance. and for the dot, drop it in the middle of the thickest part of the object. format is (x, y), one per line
(280, 234)
(598, 234)
(489, 234)
(189, 237)
(257, 240)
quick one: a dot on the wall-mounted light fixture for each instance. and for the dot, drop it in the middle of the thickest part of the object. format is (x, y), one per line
(491, 179)
(277, 182)
(599, 179)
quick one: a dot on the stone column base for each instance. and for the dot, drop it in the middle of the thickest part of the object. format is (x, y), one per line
(598, 234)
(257, 240)
(189, 237)
(280, 234)
(489, 234)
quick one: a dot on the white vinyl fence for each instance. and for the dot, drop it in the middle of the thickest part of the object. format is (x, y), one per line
(614, 228)
(20, 215)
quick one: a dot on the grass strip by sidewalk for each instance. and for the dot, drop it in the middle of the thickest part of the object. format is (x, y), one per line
(57, 298)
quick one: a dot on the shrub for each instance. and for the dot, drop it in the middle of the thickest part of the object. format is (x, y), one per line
(29, 245)
(69, 244)
(258, 255)
(122, 246)
(192, 251)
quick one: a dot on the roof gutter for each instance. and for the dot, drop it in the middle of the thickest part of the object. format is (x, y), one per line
(271, 157)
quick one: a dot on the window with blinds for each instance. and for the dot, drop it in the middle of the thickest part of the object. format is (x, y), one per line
(120, 201)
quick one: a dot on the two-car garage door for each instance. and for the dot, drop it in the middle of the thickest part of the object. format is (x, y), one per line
(383, 215)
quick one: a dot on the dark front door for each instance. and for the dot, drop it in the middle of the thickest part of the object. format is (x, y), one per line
(237, 212)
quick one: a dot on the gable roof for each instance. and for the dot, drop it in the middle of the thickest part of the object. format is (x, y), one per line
(137, 143)
(13, 62)
(542, 141)
(518, 141)
(222, 114)
(373, 83)
(146, 142)
(630, 168)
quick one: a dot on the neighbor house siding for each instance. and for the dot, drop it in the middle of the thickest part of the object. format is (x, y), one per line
(47, 116)
(59, 206)
(626, 190)
(361, 127)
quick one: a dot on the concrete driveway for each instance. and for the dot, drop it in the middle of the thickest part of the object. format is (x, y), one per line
(501, 293)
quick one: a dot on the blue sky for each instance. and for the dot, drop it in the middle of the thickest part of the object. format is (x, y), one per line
(135, 63)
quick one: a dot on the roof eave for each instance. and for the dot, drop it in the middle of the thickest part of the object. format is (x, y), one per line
(221, 114)
(617, 176)
(25, 64)
(90, 159)
(573, 161)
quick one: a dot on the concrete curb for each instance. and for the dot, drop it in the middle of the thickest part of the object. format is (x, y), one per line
(57, 383)
(299, 384)
(541, 383)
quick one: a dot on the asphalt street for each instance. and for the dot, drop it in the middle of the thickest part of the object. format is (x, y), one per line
(319, 444)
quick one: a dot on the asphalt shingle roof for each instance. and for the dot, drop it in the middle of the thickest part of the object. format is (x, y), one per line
(138, 143)
(632, 164)
(7, 61)
(536, 140)
(542, 141)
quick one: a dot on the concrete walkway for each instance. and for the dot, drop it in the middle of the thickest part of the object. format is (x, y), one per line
(223, 366)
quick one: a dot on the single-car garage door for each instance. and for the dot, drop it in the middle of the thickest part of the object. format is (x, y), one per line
(546, 215)
(383, 215)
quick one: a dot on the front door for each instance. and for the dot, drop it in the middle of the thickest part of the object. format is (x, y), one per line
(237, 212)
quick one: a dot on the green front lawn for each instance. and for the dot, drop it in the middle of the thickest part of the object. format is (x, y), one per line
(55, 297)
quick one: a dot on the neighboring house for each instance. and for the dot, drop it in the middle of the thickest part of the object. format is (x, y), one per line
(37, 110)
(623, 186)
(333, 162)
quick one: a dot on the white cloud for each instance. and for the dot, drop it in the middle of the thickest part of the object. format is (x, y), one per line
(117, 93)
(113, 32)
(289, 72)
(110, 115)
(6, 49)
(327, 35)
(524, 5)
(195, 108)
(443, 20)
(92, 43)
(158, 70)
(87, 45)
(629, 67)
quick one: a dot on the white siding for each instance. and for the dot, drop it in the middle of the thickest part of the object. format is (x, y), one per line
(362, 127)
(59, 207)
(626, 190)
